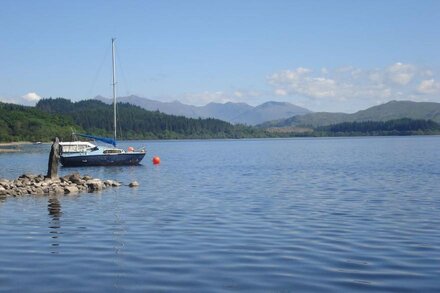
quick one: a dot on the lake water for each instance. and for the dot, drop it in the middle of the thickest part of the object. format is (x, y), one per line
(267, 215)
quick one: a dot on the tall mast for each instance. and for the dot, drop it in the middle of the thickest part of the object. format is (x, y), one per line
(114, 89)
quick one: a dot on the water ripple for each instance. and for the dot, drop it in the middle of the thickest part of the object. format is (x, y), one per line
(249, 215)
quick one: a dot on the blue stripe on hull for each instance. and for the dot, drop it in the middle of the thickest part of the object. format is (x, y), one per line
(102, 160)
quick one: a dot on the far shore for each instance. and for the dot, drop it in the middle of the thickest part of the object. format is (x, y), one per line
(12, 147)
(9, 150)
(14, 143)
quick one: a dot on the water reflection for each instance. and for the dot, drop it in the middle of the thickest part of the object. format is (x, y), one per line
(54, 208)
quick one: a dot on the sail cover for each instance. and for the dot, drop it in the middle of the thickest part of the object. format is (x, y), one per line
(103, 139)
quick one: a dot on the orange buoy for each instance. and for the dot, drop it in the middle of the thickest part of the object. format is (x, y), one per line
(130, 149)
(156, 160)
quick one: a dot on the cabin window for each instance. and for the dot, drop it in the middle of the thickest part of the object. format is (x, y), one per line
(112, 151)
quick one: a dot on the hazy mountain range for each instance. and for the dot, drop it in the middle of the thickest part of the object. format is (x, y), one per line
(283, 114)
(230, 112)
(388, 111)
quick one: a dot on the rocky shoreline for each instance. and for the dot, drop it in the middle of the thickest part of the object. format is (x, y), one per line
(30, 184)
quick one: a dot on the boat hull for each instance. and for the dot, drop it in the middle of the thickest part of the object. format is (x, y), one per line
(124, 159)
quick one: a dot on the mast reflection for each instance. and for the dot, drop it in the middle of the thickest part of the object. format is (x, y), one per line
(54, 208)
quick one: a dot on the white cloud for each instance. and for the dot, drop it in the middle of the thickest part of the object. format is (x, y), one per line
(401, 73)
(246, 94)
(201, 99)
(280, 92)
(429, 86)
(31, 97)
(354, 88)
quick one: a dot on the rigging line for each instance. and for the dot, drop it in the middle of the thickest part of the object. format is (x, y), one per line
(120, 69)
(89, 93)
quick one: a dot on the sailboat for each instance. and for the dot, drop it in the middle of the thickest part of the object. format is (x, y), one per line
(84, 153)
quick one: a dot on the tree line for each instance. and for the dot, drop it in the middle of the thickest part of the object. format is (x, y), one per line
(404, 126)
(21, 123)
(60, 117)
(135, 122)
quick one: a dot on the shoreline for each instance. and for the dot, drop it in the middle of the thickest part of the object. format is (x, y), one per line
(3, 151)
(12, 147)
(15, 143)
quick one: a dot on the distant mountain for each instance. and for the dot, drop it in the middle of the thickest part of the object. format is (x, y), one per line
(230, 112)
(388, 111)
(172, 108)
(270, 111)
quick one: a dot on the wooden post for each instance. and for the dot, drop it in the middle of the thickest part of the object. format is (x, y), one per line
(54, 156)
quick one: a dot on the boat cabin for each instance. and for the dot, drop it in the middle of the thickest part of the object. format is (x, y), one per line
(76, 147)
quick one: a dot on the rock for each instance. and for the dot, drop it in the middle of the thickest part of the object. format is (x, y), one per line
(94, 185)
(54, 156)
(4, 181)
(26, 182)
(75, 178)
(71, 189)
(28, 176)
(133, 184)
(58, 190)
(39, 185)
(38, 191)
(112, 183)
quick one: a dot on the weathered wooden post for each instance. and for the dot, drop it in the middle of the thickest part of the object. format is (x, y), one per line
(54, 156)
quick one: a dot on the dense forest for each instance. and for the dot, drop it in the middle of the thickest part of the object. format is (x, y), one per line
(20, 123)
(59, 117)
(404, 126)
(136, 123)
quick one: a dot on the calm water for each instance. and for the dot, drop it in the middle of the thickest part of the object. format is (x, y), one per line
(287, 215)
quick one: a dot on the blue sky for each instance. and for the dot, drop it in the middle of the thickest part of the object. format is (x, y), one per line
(323, 55)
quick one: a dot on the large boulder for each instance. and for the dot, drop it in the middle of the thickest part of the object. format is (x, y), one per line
(71, 189)
(133, 184)
(38, 191)
(57, 189)
(94, 185)
(75, 178)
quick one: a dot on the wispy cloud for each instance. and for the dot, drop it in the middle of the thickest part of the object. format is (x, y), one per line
(350, 88)
(203, 98)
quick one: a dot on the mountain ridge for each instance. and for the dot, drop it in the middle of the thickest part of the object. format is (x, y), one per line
(236, 113)
(384, 112)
